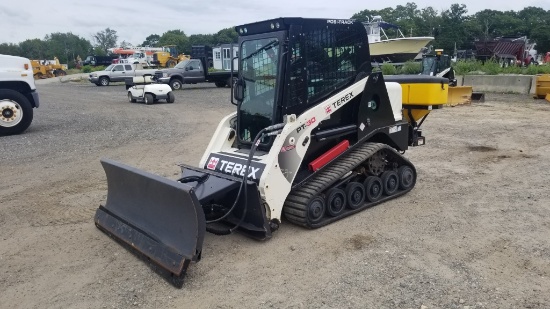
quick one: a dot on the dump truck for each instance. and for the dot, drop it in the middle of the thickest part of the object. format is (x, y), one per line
(317, 136)
(507, 51)
(94, 60)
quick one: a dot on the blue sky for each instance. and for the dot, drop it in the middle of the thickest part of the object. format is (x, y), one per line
(135, 20)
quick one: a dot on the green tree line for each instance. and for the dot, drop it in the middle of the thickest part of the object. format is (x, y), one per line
(454, 27)
(451, 27)
(67, 46)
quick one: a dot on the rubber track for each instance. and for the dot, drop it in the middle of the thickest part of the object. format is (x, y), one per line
(295, 207)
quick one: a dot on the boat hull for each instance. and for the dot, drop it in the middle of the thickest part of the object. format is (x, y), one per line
(398, 50)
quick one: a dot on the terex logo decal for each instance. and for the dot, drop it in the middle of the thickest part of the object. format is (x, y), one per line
(212, 163)
(235, 166)
(341, 101)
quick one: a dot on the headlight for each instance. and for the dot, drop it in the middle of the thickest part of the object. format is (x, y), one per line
(164, 74)
(94, 75)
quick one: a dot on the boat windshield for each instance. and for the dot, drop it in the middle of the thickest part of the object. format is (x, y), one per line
(259, 64)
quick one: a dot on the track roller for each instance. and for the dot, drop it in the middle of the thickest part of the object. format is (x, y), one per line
(380, 173)
(390, 181)
(336, 201)
(373, 188)
(355, 192)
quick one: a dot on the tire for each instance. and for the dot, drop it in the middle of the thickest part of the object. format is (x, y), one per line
(390, 181)
(130, 99)
(103, 81)
(355, 193)
(373, 188)
(335, 202)
(148, 99)
(220, 84)
(58, 73)
(316, 210)
(176, 84)
(16, 112)
(406, 177)
(170, 63)
(171, 97)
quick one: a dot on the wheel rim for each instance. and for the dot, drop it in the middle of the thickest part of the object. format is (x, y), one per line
(316, 209)
(176, 85)
(390, 179)
(356, 195)
(373, 188)
(11, 113)
(406, 177)
(104, 82)
(336, 201)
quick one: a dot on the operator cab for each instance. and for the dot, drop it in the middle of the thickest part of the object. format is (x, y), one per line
(288, 65)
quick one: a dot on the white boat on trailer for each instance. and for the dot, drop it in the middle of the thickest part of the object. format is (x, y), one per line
(396, 50)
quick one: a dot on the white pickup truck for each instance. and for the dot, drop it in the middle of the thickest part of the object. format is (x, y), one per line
(118, 73)
(18, 95)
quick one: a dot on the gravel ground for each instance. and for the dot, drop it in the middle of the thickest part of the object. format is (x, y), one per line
(474, 233)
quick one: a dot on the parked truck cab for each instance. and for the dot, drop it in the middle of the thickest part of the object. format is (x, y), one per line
(18, 95)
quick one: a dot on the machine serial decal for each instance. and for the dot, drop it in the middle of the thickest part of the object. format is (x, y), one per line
(234, 166)
(395, 129)
(287, 148)
(340, 21)
(305, 125)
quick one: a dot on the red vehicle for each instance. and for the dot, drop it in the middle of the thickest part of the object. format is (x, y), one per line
(506, 50)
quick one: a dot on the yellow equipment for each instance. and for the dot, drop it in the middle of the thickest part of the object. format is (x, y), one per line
(47, 68)
(169, 57)
(420, 95)
(542, 88)
(439, 64)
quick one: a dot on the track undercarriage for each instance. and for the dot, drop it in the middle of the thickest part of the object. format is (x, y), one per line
(367, 175)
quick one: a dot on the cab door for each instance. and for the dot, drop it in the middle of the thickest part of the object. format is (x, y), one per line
(194, 72)
(118, 73)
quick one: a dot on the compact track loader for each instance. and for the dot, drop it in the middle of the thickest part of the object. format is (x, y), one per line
(316, 137)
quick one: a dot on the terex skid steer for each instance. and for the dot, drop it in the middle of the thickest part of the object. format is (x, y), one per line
(317, 136)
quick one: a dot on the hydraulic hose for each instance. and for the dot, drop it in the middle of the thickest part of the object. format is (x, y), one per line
(255, 144)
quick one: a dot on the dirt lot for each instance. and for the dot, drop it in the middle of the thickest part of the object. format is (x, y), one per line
(474, 233)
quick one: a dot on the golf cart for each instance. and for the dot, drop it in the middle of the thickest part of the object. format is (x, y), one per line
(146, 89)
